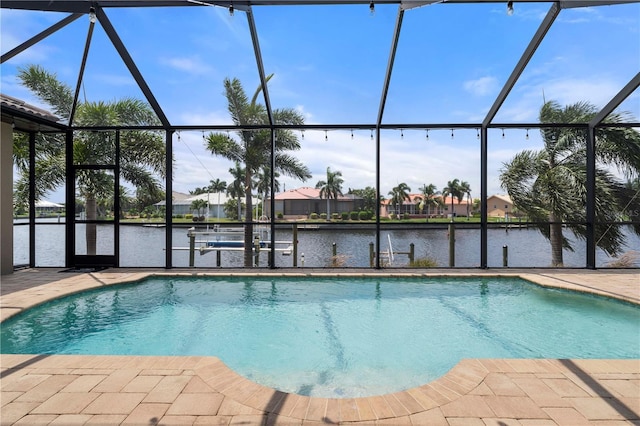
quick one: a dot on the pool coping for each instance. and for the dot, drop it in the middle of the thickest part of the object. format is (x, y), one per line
(541, 391)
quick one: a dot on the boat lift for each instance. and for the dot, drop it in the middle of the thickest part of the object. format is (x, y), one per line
(221, 239)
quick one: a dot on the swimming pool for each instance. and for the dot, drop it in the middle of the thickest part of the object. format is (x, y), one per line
(331, 337)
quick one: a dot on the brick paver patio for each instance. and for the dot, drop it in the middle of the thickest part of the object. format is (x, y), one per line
(113, 390)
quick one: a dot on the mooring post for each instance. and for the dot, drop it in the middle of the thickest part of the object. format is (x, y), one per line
(371, 255)
(452, 245)
(334, 251)
(505, 256)
(295, 245)
(412, 252)
(256, 245)
(192, 246)
(218, 258)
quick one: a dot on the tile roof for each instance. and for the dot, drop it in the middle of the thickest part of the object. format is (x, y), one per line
(19, 105)
(307, 193)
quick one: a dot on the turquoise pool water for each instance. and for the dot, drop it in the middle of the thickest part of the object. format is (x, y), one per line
(331, 337)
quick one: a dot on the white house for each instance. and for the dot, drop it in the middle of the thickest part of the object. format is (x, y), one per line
(216, 201)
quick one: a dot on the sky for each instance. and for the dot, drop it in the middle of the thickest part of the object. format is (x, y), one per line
(329, 64)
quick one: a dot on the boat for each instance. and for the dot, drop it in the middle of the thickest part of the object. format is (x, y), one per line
(230, 237)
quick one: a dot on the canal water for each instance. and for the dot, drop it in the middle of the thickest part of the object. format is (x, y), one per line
(144, 246)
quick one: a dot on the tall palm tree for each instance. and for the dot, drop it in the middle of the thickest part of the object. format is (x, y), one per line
(142, 153)
(465, 190)
(428, 197)
(330, 188)
(217, 186)
(399, 194)
(550, 184)
(253, 148)
(452, 190)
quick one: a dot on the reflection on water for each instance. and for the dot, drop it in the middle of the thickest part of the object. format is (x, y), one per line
(145, 247)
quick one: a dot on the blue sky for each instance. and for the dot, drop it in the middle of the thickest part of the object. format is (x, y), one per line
(329, 63)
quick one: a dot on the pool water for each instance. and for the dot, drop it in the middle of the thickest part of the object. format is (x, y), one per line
(331, 337)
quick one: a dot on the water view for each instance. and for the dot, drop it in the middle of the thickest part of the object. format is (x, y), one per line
(144, 246)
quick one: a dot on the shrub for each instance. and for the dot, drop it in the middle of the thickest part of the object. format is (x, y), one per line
(364, 215)
(279, 215)
(323, 216)
(179, 216)
(405, 216)
(335, 216)
(392, 216)
(353, 215)
(424, 262)
(345, 215)
(313, 216)
(188, 216)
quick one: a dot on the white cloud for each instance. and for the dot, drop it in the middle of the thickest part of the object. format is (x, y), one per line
(192, 65)
(524, 106)
(598, 90)
(482, 86)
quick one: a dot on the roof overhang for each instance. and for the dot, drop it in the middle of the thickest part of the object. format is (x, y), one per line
(29, 118)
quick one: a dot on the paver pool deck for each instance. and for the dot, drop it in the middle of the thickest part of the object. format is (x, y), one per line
(188, 390)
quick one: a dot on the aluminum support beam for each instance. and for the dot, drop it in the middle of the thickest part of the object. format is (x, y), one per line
(392, 57)
(591, 242)
(591, 199)
(39, 37)
(83, 64)
(32, 199)
(131, 65)
(383, 101)
(168, 242)
(70, 200)
(272, 202)
(623, 94)
(260, 64)
(267, 103)
(82, 6)
(484, 239)
(546, 23)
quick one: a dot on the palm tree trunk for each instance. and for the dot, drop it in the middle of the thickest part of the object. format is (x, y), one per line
(90, 229)
(328, 208)
(452, 214)
(555, 238)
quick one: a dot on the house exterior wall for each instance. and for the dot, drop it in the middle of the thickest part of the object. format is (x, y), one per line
(498, 207)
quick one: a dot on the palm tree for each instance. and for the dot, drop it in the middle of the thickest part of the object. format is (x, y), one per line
(550, 184)
(465, 190)
(331, 188)
(142, 153)
(399, 194)
(452, 190)
(198, 205)
(217, 186)
(428, 197)
(254, 146)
